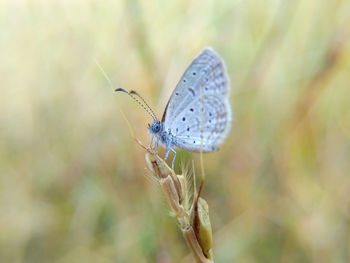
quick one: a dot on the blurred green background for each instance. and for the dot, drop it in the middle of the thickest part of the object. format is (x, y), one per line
(72, 184)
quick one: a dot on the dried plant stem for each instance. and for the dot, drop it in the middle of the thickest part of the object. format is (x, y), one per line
(192, 242)
(193, 217)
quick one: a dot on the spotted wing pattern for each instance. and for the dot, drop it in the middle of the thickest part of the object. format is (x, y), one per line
(198, 113)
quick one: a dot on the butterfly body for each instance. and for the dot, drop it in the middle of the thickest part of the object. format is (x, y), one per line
(169, 140)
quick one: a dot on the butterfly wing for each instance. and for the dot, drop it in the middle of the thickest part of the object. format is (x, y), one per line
(198, 113)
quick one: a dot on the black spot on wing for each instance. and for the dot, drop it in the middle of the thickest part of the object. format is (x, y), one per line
(192, 91)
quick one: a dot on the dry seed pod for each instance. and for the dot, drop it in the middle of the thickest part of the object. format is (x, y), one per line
(162, 170)
(158, 166)
(193, 220)
(203, 227)
(169, 182)
(172, 196)
(192, 242)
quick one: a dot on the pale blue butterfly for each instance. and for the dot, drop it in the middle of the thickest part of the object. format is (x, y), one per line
(198, 114)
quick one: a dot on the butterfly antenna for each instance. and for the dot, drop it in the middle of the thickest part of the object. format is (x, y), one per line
(139, 102)
(143, 100)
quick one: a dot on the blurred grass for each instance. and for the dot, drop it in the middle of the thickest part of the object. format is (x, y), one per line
(71, 179)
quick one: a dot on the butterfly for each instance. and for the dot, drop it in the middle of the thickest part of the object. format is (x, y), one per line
(198, 114)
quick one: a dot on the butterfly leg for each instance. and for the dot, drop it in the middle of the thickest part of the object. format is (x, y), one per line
(172, 164)
(157, 146)
(167, 153)
(150, 144)
(154, 146)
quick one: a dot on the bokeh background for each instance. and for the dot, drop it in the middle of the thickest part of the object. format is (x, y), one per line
(72, 181)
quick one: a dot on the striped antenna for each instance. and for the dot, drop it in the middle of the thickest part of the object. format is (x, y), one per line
(143, 100)
(142, 104)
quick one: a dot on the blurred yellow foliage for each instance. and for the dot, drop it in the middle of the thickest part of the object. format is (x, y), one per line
(71, 178)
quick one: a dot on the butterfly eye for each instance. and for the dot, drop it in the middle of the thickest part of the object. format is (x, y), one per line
(156, 127)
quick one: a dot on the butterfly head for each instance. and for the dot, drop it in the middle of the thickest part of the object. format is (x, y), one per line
(156, 127)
